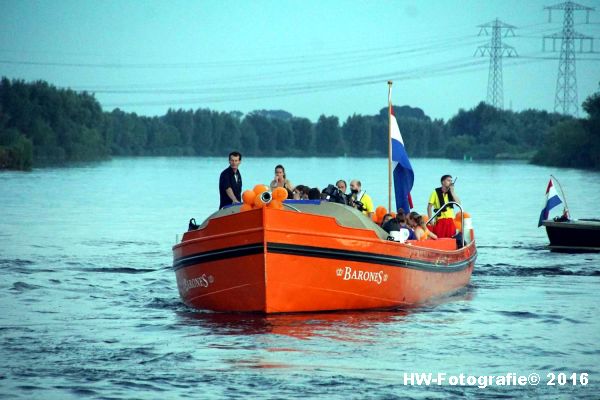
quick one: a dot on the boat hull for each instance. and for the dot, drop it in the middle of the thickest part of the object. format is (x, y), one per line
(275, 261)
(573, 236)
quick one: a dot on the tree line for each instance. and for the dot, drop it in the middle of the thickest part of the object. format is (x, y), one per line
(574, 142)
(41, 124)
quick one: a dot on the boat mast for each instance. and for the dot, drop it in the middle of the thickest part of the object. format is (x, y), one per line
(390, 146)
(566, 208)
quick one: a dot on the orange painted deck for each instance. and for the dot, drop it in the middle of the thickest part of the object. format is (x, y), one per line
(274, 261)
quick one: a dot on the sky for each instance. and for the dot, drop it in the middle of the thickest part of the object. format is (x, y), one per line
(306, 57)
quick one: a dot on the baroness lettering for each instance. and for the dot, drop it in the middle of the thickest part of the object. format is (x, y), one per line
(203, 281)
(350, 274)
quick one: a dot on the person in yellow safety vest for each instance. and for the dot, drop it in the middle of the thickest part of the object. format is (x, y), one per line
(443, 226)
(360, 200)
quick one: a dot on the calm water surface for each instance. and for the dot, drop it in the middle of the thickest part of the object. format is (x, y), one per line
(89, 306)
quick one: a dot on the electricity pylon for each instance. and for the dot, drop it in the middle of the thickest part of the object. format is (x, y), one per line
(566, 82)
(496, 50)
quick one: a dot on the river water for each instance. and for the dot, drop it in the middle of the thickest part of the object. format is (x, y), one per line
(89, 306)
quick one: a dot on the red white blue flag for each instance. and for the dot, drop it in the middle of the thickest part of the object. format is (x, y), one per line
(552, 200)
(404, 177)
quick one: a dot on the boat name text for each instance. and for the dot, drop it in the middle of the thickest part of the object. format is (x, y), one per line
(351, 274)
(201, 282)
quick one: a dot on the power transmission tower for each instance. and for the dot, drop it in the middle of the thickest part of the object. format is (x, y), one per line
(496, 50)
(566, 83)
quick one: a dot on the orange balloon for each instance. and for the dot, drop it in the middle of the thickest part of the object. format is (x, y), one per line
(245, 207)
(260, 188)
(458, 219)
(276, 204)
(380, 211)
(258, 203)
(458, 215)
(393, 214)
(280, 194)
(458, 224)
(248, 197)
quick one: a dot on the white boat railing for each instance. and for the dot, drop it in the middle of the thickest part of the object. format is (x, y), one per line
(462, 219)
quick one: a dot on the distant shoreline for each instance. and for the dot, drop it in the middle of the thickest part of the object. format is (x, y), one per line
(43, 126)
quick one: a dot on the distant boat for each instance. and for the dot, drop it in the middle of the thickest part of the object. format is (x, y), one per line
(566, 235)
(312, 256)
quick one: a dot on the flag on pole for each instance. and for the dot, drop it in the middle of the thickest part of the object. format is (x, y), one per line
(552, 200)
(404, 176)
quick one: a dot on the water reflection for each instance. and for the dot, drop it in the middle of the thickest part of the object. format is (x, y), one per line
(341, 326)
(336, 325)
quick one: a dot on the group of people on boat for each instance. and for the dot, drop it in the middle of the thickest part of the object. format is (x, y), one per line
(442, 226)
(440, 214)
(413, 222)
(356, 198)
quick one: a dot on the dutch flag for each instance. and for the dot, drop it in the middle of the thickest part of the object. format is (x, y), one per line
(552, 200)
(404, 176)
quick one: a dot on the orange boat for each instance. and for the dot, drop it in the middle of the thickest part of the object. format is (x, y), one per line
(312, 256)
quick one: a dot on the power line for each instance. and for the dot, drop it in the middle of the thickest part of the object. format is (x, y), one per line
(294, 70)
(246, 93)
(253, 92)
(262, 92)
(285, 69)
(259, 93)
(298, 59)
(215, 83)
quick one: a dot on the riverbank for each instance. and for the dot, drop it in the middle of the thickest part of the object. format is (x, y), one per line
(44, 125)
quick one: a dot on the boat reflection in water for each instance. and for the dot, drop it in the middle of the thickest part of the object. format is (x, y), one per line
(340, 325)
(327, 343)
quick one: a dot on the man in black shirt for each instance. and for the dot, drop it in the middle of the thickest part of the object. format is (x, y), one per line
(230, 181)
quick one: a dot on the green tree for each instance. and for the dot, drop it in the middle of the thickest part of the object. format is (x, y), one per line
(231, 135)
(591, 105)
(437, 139)
(459, 146)
(285, 136)
(265, 131)
(379, 135)
(592, 125)
(16, 151)
(249, 139)
(60, 125)
(357, 135)
(183, 122)
(565, 146)
(203, 132)
(413, 133)
(574, 143)
(303, 132)
(218, 131)
(328, 136)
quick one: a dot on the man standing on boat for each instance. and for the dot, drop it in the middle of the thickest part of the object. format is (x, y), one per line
(359, 199)
(230, 181)
(341, 185)
(444, 223)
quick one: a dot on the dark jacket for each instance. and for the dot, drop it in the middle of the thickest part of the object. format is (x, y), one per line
(394, 225)
(228, 180)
